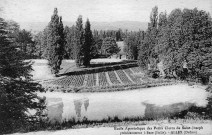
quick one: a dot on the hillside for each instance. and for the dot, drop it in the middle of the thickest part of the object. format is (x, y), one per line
(124, 25)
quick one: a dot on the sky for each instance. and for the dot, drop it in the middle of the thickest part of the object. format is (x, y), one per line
(95, 10)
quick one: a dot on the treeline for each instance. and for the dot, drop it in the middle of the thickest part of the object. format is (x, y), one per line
(97, 41)
(22, 39)
(132, 43)
(40, 41)
(183, 35)
(55, 42)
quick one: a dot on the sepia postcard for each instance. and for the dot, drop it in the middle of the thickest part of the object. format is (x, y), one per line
(106, 67)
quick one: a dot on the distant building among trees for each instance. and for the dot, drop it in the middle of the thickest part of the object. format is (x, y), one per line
(109, 46)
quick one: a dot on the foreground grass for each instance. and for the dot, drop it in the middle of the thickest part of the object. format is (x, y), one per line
(114, 130)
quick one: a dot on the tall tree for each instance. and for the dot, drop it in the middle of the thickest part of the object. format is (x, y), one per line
(161, 36)
(17, 91)
(66, 47)
(118, 35)
(44, 46)
(25, 42)
(55, 42)
(186, 36)
(79, 41)
(88, 44)
(147, 52)
(196, 43)
(173, 40)
(38, 44)
(132, 43)
(97, 42)
(13, 28)
(70, 42)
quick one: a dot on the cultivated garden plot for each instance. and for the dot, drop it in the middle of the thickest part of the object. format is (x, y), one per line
(121, 79)
(93, 79)
(68, 81)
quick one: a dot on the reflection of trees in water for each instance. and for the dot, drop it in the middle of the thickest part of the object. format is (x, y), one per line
(78, 105)
(55, 110)
(86, 104)
(165, 111)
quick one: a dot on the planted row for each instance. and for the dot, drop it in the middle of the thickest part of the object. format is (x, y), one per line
(91, 80)
(60, 82)
(123, 77)
(136, 69)
(113, 77)
(78, 80)
(134, 78)
(102, 79)
(72, 80)
(153, 83)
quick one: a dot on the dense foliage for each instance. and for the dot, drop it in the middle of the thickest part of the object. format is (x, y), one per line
(88, 44)
(25, 42)
(17, 91)
(147, 53)
(23, 39)
(71, 38)
(69, 33)
(55, 42)
(109, 46)
(132, 43)
(79, 41)
(40, 40)
(183, 35)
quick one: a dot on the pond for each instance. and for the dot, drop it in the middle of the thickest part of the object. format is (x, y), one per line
(153, 103)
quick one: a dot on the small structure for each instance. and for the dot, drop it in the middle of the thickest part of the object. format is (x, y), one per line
(161, 68)
(121, 54)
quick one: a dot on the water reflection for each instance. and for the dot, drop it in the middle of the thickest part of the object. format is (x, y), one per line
(55, 109)
(78, 107)
(146, 110)
(150, 103)
(86, 104)
(166, 111)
